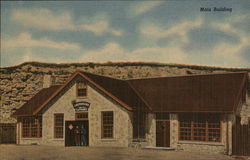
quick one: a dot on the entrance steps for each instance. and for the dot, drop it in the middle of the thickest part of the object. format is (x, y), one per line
(158, 148)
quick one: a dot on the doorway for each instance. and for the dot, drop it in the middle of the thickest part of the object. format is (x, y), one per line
(163, 133)
(75, 134)
(241, 138)
(7, 133)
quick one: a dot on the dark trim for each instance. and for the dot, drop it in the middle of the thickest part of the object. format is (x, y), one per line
(80, 119)
(220, 141)
(106, 92)
(102, 130)
(138, 126)
(89, 80)
(77, 84)
(55, 93)
(38, 126)
(55, 114)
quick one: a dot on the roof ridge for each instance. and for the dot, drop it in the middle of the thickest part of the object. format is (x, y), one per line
(193, 75)
(69, 80)
(139, 95)
(102, 76)
(105, 91)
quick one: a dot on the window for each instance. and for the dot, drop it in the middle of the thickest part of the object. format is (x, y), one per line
(81, 89)
(26, 127)
(82, 116)
(139, 122)
(107, 124)
(32, 127)
(58, 125)
(200, 127)
(40, 127)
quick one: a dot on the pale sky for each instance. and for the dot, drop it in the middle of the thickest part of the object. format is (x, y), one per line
(170, 31)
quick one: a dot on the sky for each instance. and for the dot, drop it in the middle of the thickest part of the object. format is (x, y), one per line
(169, 31)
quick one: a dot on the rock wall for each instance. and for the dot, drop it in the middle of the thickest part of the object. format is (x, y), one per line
(19, 83)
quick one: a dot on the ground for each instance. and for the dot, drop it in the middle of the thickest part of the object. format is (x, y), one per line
(36, 152)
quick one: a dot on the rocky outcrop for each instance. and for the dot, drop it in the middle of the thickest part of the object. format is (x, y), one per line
(19, 83)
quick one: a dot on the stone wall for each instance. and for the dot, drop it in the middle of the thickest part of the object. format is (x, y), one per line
(21, 140)
(98, 103)
(245, 111)
(62, 105)
(231, 119)
(19, 83)
(202, 147)
(220, 147)
(151, 130)
(122, 121)
(174, 128)
(150, 135)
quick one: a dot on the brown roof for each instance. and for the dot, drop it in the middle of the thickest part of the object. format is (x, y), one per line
(120, 89)
(31, 105)
(195, 93)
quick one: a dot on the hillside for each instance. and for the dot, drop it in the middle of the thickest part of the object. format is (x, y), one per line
(19, 83)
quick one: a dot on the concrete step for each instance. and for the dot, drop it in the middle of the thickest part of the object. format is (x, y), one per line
(158, 148)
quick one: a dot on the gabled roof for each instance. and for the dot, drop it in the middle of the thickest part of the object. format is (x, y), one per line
(195, 93)
(36, 101)
(104, 84)
(119, 89)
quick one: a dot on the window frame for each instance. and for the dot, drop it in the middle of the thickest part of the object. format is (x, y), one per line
(139, 122)
(31, 124)
(79, 113)
(58, 126)
(79, 83)
(206, 128)
(103, 125)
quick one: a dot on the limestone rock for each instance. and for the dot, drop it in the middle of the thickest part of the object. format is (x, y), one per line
(20, 83)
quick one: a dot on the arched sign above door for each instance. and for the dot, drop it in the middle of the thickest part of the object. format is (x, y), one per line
(81, 106)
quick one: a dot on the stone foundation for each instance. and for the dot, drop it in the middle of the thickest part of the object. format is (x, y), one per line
(201, 147)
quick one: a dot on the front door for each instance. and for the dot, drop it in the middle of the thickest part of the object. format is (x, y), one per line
(241, 138)
(163, 133)
(75, 135)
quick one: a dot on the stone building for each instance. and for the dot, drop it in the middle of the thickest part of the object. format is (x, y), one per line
(195, 112)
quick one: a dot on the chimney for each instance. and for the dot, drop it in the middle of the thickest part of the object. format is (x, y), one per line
(47, 81)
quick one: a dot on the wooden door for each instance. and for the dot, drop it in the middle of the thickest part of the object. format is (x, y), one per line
(241, 138)
(163, 133)
(7, 133)
(70, 126)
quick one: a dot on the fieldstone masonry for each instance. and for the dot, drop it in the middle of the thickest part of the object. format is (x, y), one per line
(197, 146)
(174, 125)
(98, 103)
(151, 130)
(123, 125)
(245, 111)
(19, 83)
